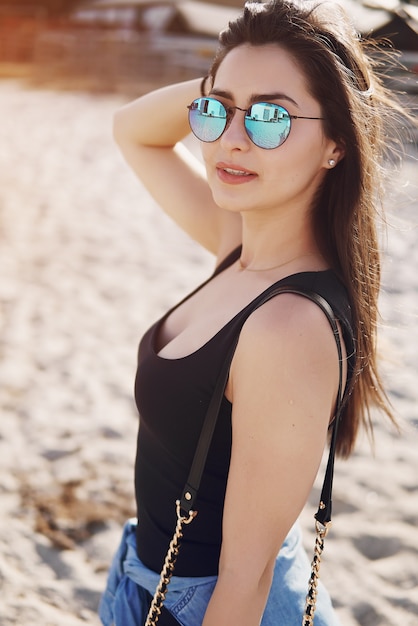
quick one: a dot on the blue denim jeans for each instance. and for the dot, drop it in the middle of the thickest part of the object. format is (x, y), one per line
(123, 602)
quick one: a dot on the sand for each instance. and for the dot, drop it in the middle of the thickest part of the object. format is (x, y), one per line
(86, 263)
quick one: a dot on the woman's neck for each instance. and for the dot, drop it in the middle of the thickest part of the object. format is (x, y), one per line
(269, 244)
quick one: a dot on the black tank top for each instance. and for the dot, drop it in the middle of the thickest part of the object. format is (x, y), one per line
(172, 396)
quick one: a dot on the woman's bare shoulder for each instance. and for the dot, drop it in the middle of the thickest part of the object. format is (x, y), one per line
(288, 338)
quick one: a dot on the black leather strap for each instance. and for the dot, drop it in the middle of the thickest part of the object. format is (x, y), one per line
(189, 494)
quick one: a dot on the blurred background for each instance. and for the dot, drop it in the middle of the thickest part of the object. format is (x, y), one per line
(87, 265)
(113, 45)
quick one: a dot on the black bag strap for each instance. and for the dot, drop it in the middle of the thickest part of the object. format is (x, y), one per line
(189, 494)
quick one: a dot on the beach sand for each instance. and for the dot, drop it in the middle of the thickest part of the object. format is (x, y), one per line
(86, 262)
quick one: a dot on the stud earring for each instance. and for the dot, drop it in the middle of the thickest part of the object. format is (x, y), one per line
(331, 162)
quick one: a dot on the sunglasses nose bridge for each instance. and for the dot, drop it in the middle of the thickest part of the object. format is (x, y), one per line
(230, 113)
(240, 109)
(232, 122)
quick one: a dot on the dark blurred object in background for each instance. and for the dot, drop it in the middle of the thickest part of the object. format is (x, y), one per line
(135, 45)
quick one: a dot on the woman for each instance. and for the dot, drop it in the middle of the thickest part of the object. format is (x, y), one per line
(290, 121)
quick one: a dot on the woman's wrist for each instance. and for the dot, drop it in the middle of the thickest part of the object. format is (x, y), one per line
(141, 121)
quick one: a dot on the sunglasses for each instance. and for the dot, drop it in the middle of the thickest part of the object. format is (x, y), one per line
(267, 125)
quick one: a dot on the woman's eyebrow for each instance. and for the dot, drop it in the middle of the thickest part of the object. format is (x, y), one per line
(256, 97)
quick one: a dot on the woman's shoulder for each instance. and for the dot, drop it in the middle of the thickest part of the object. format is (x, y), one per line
(284, 321)
(287, 338)
(291, 329)
(324, 283)
(281, 315)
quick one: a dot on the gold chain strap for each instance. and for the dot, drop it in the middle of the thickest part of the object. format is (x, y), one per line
(169, 563)
(310, 606)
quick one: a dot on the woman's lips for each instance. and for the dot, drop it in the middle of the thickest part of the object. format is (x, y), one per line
(233, 174)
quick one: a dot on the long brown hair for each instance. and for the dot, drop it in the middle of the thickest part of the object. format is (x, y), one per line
(357, 110)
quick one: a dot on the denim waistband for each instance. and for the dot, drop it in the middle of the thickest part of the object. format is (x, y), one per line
(146, 578)
(125, 604)
(122, 603)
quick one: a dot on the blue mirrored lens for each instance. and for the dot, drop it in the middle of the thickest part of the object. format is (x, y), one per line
(207, 119)
(268, 125)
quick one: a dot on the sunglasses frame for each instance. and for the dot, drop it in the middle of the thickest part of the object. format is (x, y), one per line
(230, 112)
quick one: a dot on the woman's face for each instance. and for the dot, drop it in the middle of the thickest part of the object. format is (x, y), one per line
(245, 177)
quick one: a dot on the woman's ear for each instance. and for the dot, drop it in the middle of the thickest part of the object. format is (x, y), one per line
(335, 154)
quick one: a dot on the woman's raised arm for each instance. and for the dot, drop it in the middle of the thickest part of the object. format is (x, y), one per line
(148, 132)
